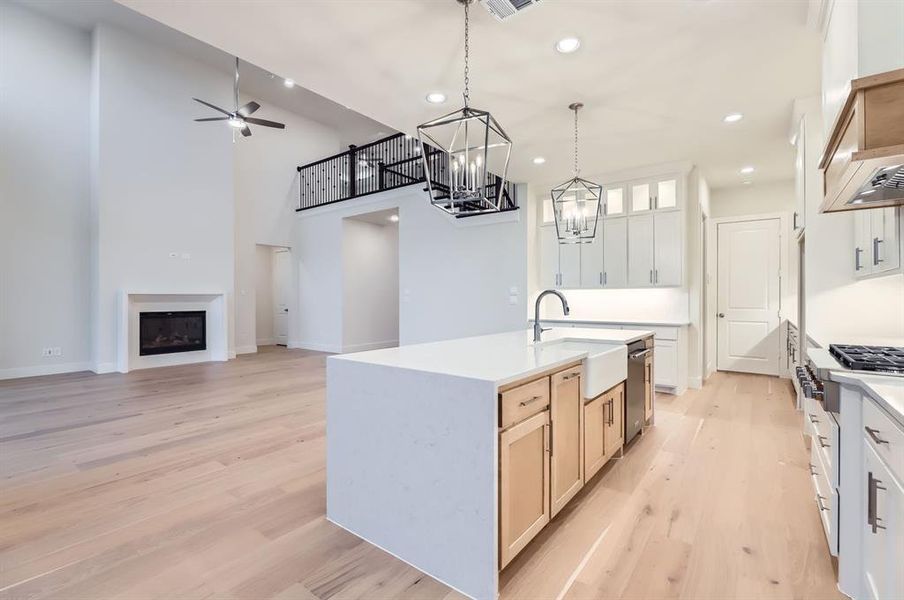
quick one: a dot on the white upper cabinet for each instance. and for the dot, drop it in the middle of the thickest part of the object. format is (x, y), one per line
(570, 265)
(549, 258)
(641, 196)
(592, 260)
(614, 201)
(800, 178)
(668, 256)
(876, 245)
(640, 250)
(615, 252)
(639, 240)
(666, 194)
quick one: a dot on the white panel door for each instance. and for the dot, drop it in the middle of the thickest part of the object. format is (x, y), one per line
(748, 296)
(549, 258)
(592, 264)
(282, 274)
(615, 253)
(640, 250)
(668, 253)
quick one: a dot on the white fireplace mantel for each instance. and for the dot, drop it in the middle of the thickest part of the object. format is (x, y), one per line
(132, 302)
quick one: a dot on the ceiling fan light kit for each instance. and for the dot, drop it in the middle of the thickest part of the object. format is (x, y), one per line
(577, 202)
(241, 117)
(468, 176)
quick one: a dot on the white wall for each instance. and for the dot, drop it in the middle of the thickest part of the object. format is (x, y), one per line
(454, 276)
(266, 196)
(370, 281)
(752, 199)
(263, 297)
(44, 194)
(164, 183)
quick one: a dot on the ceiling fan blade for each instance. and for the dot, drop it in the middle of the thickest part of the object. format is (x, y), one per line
(213, 119)
(246, 131)
(212, 106)
(248, 108)
(265, 123)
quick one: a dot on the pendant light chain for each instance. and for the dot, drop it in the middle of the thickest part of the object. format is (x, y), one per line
(467, 93)
(577, 171)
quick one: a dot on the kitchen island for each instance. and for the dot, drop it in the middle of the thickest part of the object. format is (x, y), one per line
(452, 455)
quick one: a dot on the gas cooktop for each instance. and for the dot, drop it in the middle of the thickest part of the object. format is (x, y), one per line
(881, 359)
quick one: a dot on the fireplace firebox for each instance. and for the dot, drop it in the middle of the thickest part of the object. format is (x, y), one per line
(168, 332)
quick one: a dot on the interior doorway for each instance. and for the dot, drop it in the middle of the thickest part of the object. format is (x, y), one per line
(272, 294)
(370, 281)
(748, 295)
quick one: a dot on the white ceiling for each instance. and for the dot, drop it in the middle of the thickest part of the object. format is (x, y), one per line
(656, 76)
(255, 82)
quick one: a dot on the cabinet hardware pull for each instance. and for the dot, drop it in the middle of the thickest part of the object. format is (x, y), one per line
(605, 278)
(546, 446)
(611, 411)
(874, 433)
(795, 220)
(812, 469)
(857, 265)
(872, 487)
(655, 275)
(813, 419)
(549, 438)
(822, 443)
(651, 275)
(819, 500)
(570, 376)
(530, 401)
(876, 259)
(601, 278)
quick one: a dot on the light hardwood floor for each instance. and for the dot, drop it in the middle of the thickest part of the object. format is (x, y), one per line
(208, 481)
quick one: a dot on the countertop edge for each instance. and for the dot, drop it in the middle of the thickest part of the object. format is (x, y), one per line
(615, 322)
(866, 385)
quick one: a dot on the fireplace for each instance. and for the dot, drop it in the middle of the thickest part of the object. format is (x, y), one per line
(168, 332)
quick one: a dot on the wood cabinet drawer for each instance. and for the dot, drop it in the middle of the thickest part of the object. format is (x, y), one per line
(885, 437)
(523, 401)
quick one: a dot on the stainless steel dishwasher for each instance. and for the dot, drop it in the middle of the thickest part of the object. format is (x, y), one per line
(640, 386)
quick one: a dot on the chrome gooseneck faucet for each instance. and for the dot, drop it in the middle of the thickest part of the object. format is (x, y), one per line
(537, 329)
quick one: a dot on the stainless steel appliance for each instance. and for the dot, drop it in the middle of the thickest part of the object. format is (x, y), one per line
(639, 385)
(813, 377)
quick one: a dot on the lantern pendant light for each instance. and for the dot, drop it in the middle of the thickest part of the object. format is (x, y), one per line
(467, 165)
(576, 203)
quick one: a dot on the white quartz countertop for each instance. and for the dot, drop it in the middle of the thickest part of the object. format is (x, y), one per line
(886, 390)
(579, 320)
(500, 358)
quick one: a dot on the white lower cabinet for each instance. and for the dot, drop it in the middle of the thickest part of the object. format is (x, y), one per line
(665, 363)
(882, 522)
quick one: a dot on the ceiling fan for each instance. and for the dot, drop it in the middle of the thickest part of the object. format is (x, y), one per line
(241, 117)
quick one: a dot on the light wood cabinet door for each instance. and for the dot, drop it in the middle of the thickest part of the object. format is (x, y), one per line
(524, 484)
(614, 413)
(594, 438)
(567, 433)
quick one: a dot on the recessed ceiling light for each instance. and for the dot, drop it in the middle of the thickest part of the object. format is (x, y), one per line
(568, 45)
(289, 83)
(394, 218)
(539, 160)
(436, 97)
(747, 182)
(747, 170)
(732, 117)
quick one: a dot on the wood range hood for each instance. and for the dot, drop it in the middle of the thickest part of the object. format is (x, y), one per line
(863, 164)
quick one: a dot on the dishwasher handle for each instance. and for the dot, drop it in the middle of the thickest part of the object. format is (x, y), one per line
(639, 354)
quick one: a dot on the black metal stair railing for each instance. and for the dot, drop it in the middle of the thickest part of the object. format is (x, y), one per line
(385, 164)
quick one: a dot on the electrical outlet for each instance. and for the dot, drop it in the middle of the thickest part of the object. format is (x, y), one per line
(173, 254)
(45, 352)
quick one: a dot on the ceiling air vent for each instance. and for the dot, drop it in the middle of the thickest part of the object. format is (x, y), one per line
(503, 9)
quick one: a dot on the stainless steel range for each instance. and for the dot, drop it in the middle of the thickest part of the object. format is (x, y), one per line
(813, 377)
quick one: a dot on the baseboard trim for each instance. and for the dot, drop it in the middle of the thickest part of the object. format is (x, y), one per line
(107, 367)
(370, 346)
(315, 346)
(266, 342)
(39, 370)
(695, 382)
(250, 349)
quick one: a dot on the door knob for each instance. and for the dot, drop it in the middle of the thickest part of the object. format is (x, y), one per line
(721, 315)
